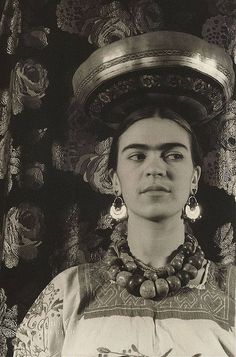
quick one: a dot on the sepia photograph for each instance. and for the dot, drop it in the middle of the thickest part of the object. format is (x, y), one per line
(117, 178)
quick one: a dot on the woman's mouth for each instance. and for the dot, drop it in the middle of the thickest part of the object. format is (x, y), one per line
(152, 189)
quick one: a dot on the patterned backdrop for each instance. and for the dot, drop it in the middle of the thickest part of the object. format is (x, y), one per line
(50, 217)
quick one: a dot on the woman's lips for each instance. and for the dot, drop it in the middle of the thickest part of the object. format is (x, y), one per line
(155, 188)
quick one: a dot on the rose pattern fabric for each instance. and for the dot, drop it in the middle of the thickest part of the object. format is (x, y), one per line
(5, 111)
(221, 30)
(228, 134)
(10, 160)
(13, 25)
(8, 324)
(119, 230)
(23, 234)
(224, 239)
(72, 251)
(93, 167)
(105, 222)
(224, 7)
(219, 164)
(5, 148)
(109, 22)
(37, 134)
(219, 169)
(113, 23)
(14, 166)
(33, 177)
(29, 85)
(37, 37)
(112, 29)
(147, 15)
(78, 142)
(72, 14)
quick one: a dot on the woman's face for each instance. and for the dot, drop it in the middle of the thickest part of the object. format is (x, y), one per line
(155, 172)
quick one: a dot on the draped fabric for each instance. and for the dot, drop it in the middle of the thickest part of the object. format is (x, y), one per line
(48, 214)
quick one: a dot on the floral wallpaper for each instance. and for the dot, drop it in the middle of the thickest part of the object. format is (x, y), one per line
(54, 204)
(8, 323)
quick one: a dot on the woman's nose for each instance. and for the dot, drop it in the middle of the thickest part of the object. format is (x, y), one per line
(156, 167)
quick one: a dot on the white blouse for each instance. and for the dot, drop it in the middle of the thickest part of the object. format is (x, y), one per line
(81, 313)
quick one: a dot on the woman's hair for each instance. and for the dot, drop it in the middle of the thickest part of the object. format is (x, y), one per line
(162, 112)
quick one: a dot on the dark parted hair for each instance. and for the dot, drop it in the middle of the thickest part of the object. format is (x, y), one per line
(162, 112)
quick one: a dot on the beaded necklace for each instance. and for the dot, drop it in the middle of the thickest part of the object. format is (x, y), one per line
(144, 280)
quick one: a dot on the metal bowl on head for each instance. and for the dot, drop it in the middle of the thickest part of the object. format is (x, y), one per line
(162, 65)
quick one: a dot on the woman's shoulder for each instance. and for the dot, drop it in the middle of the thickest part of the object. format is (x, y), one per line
(65, 275)
(61, 292)
(75, 271)
(76, 276)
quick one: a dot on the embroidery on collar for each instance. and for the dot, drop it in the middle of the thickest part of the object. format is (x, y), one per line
(100, 297)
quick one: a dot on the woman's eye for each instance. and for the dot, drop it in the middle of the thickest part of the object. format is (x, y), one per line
(174, 156)
(137, 156)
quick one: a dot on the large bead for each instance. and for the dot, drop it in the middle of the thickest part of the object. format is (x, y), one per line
(113, 271)
(174, 283)
(196, 261)
(177, 263)
(180, 256)
(151, 275)
(199, 256)
(162, 288)
(189, 268)
(161, 272)
(200, 252)
(188, 248)
(123, 278)
(147, 289)
(169, 269)
(134, 284)
(183, 276)
(131, 266)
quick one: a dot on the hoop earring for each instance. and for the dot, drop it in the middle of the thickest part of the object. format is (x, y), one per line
(118, 210)
(192, 210)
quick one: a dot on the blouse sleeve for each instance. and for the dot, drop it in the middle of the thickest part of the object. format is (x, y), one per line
(41, 333)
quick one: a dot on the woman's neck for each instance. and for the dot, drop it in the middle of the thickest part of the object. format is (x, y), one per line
(153, 242)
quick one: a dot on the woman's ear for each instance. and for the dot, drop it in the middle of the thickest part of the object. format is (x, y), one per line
(115, 182)
(195, 178)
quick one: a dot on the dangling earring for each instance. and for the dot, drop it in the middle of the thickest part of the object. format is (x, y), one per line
(118, 210)
(192, 210)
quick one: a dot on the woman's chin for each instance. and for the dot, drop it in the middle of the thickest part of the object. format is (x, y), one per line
(157, 215)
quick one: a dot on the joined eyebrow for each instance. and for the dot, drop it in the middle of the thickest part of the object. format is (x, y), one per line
(165, 146)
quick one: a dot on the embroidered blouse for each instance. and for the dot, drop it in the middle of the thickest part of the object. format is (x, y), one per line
(83, 314)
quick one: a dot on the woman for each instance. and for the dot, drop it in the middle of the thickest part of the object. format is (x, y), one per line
(154, 293)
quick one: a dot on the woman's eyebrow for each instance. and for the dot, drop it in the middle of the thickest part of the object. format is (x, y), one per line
(165, 146)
